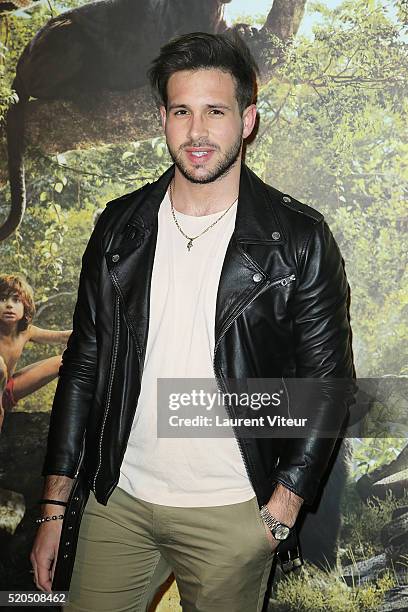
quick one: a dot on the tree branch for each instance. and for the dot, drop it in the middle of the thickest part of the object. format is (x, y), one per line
(284, 18)
(111, 117)
(50, 302)
(82, 172)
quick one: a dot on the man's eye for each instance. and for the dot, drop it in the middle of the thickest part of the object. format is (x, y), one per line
(216, 111)
(180, 112)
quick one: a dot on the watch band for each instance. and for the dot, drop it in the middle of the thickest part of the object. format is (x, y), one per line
(279, 530)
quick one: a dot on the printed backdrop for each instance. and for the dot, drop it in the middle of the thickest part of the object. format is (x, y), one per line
(332, 133)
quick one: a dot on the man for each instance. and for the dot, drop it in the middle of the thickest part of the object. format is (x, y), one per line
(208, 272)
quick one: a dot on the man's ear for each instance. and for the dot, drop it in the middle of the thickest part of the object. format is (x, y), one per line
(249, 119)
(163, 115)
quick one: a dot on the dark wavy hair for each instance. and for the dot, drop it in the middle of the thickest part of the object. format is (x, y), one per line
(11, 284)
(198, 51)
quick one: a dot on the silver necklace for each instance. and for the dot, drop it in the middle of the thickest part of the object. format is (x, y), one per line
(191, 238)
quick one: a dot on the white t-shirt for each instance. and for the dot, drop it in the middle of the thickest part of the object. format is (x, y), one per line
(194, 471)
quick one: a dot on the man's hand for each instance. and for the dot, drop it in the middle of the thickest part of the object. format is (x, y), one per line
(44, 553)
(284, 505)
(274, 543)
(45, 548)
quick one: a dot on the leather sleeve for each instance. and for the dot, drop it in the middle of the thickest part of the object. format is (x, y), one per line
(323, 354)
(75, 388)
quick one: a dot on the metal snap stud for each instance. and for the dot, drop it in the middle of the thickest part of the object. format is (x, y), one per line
(286, 199)
(257, 277)
(275, 235)
(115, 257)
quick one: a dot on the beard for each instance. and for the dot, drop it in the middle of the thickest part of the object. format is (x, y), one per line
(222, 167)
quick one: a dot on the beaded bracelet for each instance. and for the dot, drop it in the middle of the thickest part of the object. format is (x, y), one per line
(46, 519)
(54, 502)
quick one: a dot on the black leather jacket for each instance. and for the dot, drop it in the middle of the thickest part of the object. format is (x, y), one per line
(281, 312)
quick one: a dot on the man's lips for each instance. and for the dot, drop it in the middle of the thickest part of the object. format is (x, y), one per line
(199, 154)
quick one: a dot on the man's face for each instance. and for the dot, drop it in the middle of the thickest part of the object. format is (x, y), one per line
(11, 308)
(203, 124)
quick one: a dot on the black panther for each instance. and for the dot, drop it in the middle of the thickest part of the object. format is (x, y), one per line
(105, 45)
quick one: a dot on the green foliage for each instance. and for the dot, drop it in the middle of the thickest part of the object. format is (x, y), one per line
(362, 524)
(40, 401)
(252, 19)
(16, 30)
(370, 453)
(315, 590)
(332, 132)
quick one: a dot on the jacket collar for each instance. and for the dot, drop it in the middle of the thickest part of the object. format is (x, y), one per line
(256, 218)
(243, 276)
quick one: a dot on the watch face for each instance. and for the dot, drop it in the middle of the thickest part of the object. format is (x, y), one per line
(281, 532)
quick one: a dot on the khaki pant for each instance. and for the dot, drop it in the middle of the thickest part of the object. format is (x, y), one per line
(220, 556)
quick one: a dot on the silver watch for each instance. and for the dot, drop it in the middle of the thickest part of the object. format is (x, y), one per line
(278, 529)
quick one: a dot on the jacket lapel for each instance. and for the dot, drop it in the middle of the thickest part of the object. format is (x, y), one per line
(130, 264)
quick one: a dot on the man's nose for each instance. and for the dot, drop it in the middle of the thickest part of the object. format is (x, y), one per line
(198, 127)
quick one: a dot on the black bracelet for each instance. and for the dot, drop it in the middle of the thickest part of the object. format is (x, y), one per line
(46, 519)
(55, 502)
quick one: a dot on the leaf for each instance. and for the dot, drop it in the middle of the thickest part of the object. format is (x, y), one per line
(58, 187)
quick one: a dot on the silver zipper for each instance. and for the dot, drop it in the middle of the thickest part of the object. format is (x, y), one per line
(279, 282)
(283, 281)
(130, 324)
(80, 457)
(113, 364)
(110, 383)
(220, 388)
(287, 395)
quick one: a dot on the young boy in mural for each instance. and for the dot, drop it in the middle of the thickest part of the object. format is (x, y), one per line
(16, 329)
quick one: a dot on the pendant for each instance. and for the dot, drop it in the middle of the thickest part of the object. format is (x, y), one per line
(189, 244)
